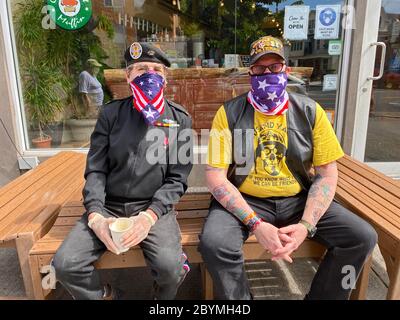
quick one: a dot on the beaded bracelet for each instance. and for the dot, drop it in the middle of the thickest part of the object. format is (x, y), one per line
(252, 221)
(254, 224)
(249, 217)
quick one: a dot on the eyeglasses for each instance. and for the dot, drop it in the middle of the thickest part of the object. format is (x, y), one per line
(260, 69)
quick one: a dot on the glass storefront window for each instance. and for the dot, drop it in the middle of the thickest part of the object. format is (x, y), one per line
(66, 74)
(383, 136)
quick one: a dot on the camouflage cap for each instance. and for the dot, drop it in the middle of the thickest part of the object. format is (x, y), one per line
(266, 45)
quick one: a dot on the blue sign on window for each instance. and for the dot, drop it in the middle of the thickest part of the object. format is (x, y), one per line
(327, 17)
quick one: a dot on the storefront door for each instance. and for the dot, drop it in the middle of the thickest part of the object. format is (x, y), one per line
(377, 126)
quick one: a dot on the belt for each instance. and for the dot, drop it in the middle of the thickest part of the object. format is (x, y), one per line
(126, 208)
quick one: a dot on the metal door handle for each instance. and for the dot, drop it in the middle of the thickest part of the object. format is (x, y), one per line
(383, 58)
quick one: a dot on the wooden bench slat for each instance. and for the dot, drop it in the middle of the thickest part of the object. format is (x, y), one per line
(34, 190)
(355, 205)
(77, 196)
(134, 257)
(375, 194)
(46, 247)
(37, 188)
(67, 211)
(195, 197)
(71, 211)
(374, 206)
(368, 171)
(31, 176)
(382, 193)
(46, 215)
(71, 204)
(379, 205)
(348, 194)
(31, 188)
(192, 213)
(379, 178)
(50, 243)
(61, 186)
(192, 205)
(27, 211)
(66, 221)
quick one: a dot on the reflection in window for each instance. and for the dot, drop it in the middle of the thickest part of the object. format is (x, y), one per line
(74, 71)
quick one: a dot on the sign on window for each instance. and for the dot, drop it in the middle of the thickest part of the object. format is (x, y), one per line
(296, 22)
(327, 21)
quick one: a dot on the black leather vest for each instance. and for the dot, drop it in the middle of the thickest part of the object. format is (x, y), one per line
(299, 153)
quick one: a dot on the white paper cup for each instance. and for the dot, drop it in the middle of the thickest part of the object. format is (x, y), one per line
(118, 228)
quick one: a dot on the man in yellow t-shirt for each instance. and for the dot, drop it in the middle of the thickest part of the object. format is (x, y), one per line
(270, 176)
(263, 148)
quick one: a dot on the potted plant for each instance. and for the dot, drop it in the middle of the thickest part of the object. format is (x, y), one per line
(50, 63)
(44, 85)
(81, 123)
(43, 97)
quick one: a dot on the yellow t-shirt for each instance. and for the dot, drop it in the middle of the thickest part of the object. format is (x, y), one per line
(270, 176)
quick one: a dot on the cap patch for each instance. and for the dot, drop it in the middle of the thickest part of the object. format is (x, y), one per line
(136, 50)
(266, 44)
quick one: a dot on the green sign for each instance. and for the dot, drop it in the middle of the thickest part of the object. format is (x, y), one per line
(70, 14)
(335, 47)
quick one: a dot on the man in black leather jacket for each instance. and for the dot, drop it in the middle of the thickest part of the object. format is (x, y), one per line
(137, 167)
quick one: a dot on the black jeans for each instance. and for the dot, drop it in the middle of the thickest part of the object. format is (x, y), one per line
(162, 250)
(349, 241)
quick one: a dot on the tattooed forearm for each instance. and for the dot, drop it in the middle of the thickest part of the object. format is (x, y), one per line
(313, 192)
(228, 195)
(321, 193)
(220, 192)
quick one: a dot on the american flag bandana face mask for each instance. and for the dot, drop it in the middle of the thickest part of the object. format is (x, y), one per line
(268, 94)
(148, 94)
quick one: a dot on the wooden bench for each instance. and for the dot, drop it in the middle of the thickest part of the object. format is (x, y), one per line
(191, 212)
(376, 198)
(29, 205)
(366, 192)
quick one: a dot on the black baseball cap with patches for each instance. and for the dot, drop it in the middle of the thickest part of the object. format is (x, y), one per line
(266, 45)
(145, 52)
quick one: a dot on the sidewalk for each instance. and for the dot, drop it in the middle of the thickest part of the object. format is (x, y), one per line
(268, 280)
